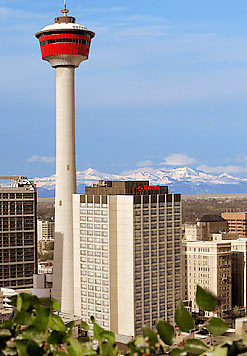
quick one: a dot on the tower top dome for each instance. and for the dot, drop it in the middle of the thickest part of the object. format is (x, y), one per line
(63, 23)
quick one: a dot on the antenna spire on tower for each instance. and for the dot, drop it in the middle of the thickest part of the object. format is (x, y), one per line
(65, 11)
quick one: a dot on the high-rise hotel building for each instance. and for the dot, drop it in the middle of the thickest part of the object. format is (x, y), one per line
(127, 254)
(18, 233)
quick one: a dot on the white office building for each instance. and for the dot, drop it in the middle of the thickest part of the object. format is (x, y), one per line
(127, 254)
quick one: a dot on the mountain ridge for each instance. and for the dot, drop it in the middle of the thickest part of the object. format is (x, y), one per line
(185, 180)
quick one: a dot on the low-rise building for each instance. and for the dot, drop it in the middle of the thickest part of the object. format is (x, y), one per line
(45, 230)
(45, 267)
(239, 272)
(190, 232)
(202, 264)
(205, 227)
(1, 300)
(208, 264)
(237, 222)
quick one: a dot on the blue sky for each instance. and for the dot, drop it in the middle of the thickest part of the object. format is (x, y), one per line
(165, 85)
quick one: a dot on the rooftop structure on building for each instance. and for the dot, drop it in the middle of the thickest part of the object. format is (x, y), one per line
(16, 182)
(205, 227)
(211, 218)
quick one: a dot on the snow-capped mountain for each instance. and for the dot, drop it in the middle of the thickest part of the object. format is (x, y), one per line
(185, 180)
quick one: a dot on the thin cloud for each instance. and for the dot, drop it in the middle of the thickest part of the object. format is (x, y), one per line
(178, 159)
(144, 31)
(3, 11)
(232, 169)
(19, 15)
(241, 158)
(41, 159)
(146, 163)
(105, 10)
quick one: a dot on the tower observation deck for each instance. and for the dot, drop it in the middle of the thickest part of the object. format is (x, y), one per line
(64, 44)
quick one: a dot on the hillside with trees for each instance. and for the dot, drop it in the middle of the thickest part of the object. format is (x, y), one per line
(195, 208)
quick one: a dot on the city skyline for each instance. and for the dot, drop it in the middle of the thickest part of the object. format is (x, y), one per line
(166, 90)
(169, 68)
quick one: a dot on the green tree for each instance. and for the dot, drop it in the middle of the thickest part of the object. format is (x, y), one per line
(49, 246)
(37, 330)
(46, 256)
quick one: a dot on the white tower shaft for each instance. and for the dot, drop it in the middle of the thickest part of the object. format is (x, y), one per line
(63, 285)
(65, 53)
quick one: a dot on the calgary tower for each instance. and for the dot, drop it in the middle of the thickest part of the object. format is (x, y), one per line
(64, 45)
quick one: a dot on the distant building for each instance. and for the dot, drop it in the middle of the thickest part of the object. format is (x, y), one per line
(6, 314)
(127, 242)
(1, 299)
(18, 232)
(42, 285)
(210, 224)
(45, 267)
(237, 222)
(208, 264)
(45, 230)
(196, 266)
(42, 288)
(190, 232)
(45, 233)
(205, 227)
(239, 273)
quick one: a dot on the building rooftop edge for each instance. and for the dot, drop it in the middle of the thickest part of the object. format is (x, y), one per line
(211, 218)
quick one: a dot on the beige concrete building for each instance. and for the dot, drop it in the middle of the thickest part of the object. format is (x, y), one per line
(192, 266)
(239, 273)
(45, 230)
(190, 232)
(209, 264)
(127, 254)
(237, 222)
(210, 224)
(18, 233)
(1, 300)
(205, 227)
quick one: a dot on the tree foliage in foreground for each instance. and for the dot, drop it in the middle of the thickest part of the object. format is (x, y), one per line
(37, 330)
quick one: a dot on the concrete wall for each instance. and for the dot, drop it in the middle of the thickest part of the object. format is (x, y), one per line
(63, 286)
(113, 267)
(125, 268)
(76, 254)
